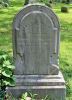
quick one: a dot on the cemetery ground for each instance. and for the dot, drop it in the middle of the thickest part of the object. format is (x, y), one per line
(6, 18)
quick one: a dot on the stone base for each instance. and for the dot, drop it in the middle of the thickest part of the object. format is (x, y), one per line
(43, 85)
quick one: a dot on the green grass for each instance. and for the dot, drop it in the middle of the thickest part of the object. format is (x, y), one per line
(6, 18)
(66, 46)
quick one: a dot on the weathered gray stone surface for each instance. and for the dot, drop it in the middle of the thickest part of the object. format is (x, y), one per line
(36, 52)
(43, 85)
(36, 41)
(33, 1)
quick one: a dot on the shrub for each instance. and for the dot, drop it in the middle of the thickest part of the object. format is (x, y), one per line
(67, 1)
(2, 95)
(30, 96)
(26, 2)
(0, 2)
(4, 3)
(6, 72)
(50, 1)
(63, 1)
(64, 9)
(9, 96)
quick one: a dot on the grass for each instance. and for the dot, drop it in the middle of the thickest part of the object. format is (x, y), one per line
(6, 18)
(66, 46)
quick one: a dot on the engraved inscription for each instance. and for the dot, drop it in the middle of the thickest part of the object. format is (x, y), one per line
(34, 43)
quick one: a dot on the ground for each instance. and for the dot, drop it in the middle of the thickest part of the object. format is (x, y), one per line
(6, 18)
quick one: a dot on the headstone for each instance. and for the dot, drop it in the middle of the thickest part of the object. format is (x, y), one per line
(36, 38)
(33, 1)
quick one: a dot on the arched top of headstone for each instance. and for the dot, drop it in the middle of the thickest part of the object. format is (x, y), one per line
(33, 1)
(41, 8)
(36, 7)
